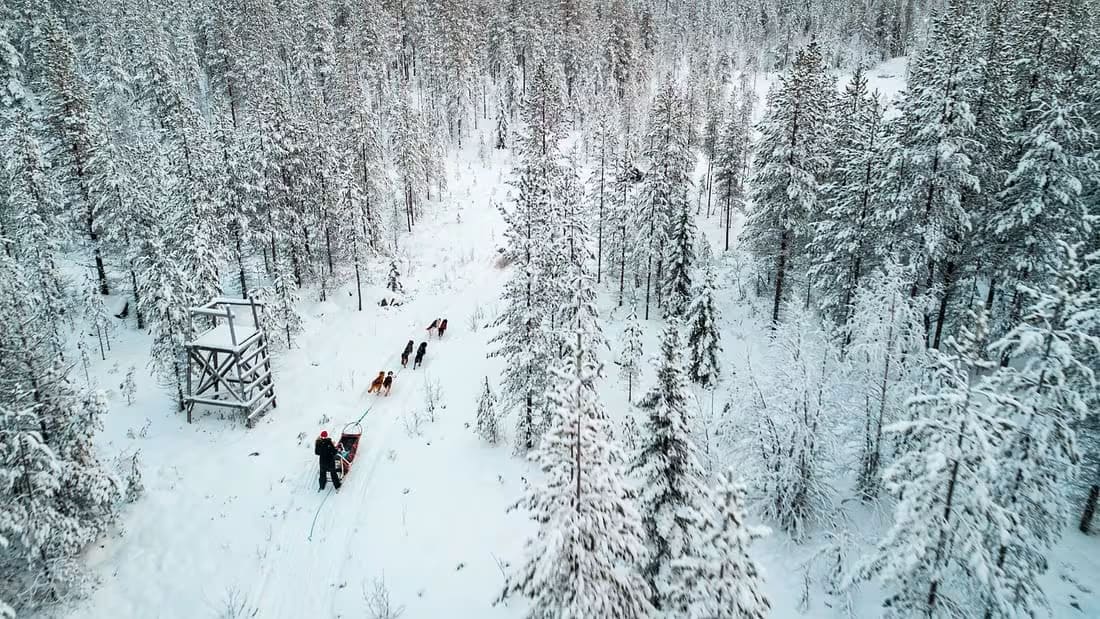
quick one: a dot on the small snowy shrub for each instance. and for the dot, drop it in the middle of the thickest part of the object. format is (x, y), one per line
(477, 317)
(235, 605)
(129, 387)
(134, 485)
(433, 397)
(487, 426)
(379, 605)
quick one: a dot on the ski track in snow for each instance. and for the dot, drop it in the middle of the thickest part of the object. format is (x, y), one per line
(300, 577)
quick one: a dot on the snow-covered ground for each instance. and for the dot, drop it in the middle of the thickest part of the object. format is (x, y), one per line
(231, 522)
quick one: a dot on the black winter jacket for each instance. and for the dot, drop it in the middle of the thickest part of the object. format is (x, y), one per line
(326, 453)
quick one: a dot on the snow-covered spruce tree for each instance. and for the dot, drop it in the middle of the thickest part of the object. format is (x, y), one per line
(525, 325)
(1043, 204)
(119, 180)
(600, 181)
(791, 409)
(723, 582)
(620, 204)
(95, 312)
(936, 560)
(1050, 378)
(283, 308)
(67, 102)
(630, 355)
(393, 284)
(55, 495)
(790, 161)
(672, 496)
(733, 153)
(679, 260)
(931, 155)
(411, 153)
(844, 237)
(33, 218)
(702, 318)
(501, 131)
(487, 427)
(884, 356)
(584, 560)
(166, 294)
(665, 187)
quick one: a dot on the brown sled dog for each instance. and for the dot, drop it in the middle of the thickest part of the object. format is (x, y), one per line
(376, 384)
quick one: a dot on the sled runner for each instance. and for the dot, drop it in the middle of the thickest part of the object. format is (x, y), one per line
(348, 445)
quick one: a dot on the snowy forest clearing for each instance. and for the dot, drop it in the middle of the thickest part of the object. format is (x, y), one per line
(227, 512)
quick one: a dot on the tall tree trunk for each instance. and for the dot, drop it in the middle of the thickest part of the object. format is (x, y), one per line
(948, 288)
(622, 266)
(780, 275)
(297, 267)
(933, 587)
(240, 261)
(710, 181)
(1090, 509)
(358, 282)
(648, 276)
(328, 247)
(599, 222)
(729, 215)
(137, 297)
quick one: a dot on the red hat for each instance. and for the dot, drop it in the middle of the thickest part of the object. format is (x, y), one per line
(324, 433)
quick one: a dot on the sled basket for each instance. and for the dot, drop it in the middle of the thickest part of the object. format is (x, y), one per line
(348, 446)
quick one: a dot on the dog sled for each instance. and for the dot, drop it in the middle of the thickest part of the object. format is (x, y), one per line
(348, 446)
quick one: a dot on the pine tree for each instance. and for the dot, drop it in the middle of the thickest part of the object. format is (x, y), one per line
(95, 313)
(584, 559)
(1042, 203)
(733, 155)
(394, 282)
(56, 497)
(931, 160)
(166, 295)
(600, 180)
(67, 103)
(620, 204)
(487, 415)
(936, 559)
(526, 326)
(789, 162)
(724, 582)
(665, 189)
(672, 496)
(844, 235)
(679, 260)
(283, 308)
(1049, 379)
(630, 355)
(502, 126)
(129, 387)
(703, 337)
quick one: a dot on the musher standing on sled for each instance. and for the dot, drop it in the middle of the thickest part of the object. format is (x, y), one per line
(325, 450)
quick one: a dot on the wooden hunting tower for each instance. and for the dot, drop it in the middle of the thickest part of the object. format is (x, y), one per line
(228, 364)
